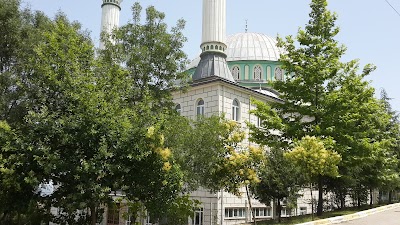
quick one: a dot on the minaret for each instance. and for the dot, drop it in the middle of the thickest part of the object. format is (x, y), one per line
(109, 16)
(213, 47)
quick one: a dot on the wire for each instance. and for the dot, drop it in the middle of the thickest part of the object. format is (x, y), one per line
(393, 7)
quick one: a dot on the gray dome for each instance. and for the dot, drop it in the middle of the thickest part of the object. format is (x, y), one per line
(248, 46)
(252, 46)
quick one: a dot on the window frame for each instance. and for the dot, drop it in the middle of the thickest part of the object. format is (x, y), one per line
(236, 72)
(200, 213)
(114, 213)
(236, 110)
(178, 109)
(200, 108)
(257, 69)
(235, 213)
(278, 69)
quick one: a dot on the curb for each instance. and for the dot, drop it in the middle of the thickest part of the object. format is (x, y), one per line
(339, 219)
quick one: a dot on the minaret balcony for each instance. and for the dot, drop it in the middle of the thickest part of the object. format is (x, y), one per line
(112, 2)
(213, 47)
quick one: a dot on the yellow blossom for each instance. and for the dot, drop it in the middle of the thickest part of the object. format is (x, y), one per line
(165, 153)
(167, 166)
(162, 139)
(150, 132)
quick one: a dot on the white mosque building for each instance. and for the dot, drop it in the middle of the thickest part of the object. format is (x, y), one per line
(227, 74)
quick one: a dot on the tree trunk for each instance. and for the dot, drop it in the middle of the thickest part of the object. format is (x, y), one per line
(342, 199)
(251, 208)
(320, 197)
(279, 209)
(93, 215)
(371, 197)
(390, 196)
(312, 203)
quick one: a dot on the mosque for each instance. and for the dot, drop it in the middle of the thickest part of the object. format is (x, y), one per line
(227, 74)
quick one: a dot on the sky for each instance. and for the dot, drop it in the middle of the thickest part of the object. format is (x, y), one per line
(370, 29)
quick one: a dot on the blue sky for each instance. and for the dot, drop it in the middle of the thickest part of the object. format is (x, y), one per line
(369, 29)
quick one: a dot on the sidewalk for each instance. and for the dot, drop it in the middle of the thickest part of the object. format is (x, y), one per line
(339, 219)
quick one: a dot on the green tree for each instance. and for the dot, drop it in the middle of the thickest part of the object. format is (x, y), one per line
(21, 30)
(324, 97)
(280, 179)
(314, 161)
(91, 126)
(390, 179)
(213, 155)
(139, 68)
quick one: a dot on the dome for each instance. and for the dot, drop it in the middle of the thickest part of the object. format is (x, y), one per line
(248, 46)
(252, 46)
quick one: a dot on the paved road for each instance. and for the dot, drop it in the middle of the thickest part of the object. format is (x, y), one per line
(388, 217)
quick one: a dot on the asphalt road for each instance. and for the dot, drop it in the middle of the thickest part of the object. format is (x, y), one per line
(388, 217)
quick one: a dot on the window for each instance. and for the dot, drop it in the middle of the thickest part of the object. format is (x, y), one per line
(178, 109)
(259, 122)
(286, 212)
(198, 217)
(236, 72)
(148, 220)
(278, 73)
(257, 72)
(235, 110)
(303, 210)
(113, 215)
(262, 212)
(200, 107)
(235, 212)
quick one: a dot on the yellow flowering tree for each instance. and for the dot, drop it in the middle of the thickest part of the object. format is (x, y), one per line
(315, 161)
(212, 153)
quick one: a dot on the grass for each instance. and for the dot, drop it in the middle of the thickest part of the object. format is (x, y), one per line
(307, 218)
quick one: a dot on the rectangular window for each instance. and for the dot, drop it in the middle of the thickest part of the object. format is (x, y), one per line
(262, 212)
(286, 212)
(303, 210)
(235, 213)
(113, 214)
(198, 217)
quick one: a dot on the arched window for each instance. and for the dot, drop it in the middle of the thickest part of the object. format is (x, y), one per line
(178, 109)
(235, 110)
(200, 107)
(257, 72)
(278, 73)
(236, 73)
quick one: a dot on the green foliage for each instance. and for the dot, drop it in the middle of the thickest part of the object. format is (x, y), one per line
(213, 155)
(279, 179)
(328, 99)
(313, 159)
(90, 125)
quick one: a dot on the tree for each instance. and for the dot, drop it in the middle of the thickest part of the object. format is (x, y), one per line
(91, 126)
(314, 161)
(390, 178)
(21, 30)
(279, 180)
(213, 155)
(323, 97)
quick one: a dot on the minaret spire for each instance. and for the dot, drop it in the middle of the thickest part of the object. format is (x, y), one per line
(213, 57)
(110, 16)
